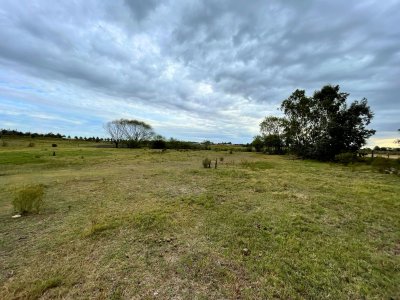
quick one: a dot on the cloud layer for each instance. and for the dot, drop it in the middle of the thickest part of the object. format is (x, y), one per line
(193, 69)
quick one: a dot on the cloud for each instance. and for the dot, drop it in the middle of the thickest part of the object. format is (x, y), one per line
(216, 66)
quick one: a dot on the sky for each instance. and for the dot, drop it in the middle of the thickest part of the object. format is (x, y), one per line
(194, 70)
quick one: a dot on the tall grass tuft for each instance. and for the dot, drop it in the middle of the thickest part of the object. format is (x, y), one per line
(207, 163)
(29, 199)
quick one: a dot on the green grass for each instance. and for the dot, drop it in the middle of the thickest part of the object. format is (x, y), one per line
(140, 224)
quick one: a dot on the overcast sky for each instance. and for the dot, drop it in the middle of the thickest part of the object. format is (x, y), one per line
(194, 70)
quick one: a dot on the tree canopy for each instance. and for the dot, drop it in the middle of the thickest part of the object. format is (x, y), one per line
(132, 132)
(320, 126)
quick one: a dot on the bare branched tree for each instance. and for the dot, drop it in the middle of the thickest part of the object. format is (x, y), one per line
(114, 129)
(131, 131)
(136, 131)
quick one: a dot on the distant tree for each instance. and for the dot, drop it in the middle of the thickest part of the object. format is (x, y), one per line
(258, 143)
(323, 125)
(132, 132)
(135, 132)
(114, 129)
(272, 130)
(272, 125)
(207, 144)
(274, 144)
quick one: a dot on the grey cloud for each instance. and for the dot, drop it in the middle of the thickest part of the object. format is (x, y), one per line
(142, 8)
(160, 53)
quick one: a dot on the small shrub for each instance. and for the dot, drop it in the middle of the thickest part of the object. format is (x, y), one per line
(28, 199)
(345, 158)
(230, 151)
(31, 144)
(207, 163)
(158, 144)
(54, 145)
(221, 159)
(4, 143)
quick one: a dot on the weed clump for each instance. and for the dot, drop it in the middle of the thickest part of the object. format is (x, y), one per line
(386, 165)
(207, 163)
(345, 158)
(4, 143)
(31, 144)
(28, 199)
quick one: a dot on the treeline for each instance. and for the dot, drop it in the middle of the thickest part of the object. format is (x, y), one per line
(137, 134)
(133, 138)
(9, 132)
(16, 133)
(320, 126)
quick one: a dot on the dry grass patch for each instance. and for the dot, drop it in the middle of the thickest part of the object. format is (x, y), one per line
(132, 224)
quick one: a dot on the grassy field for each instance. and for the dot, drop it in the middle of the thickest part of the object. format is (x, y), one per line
(141, 224)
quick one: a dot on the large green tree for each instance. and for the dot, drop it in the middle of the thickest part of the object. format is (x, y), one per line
(272, 130)
(324, 125)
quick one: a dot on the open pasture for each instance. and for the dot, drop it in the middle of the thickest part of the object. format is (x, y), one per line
(142, 224)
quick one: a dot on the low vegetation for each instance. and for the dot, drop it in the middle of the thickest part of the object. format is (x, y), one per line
(28, 199)
(207, 163)
(137, 224)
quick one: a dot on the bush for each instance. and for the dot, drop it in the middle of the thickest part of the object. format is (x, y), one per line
(31, 144)
(386, 165)
(29, 199)
(4, 143)
(207, 163)
(345, 158)
(221, 159)
(54, 145)
(158, 144)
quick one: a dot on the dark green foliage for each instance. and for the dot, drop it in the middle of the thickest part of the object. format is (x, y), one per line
(346, 158)
(29, 199)
(323, 125)
(9, 132)
(158, 144)
(258, 143)
(176, 144)
(274, 144)
(272, 129)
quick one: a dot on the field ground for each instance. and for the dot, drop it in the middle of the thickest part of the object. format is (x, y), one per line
(140, 224)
